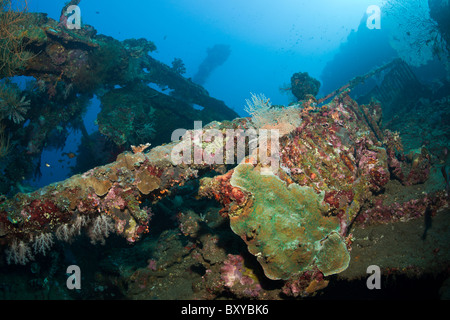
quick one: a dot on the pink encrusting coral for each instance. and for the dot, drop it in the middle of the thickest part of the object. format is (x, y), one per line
(237, 277)
(373, 163)
(114, 199)
(231, 271)
(305, 284)
(414, 208)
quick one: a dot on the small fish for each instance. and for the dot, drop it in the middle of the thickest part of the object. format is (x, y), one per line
(70, 155)
(47, 165)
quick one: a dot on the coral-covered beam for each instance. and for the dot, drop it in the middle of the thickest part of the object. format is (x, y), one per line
(91, 62)
(358, 80)
(103, 200)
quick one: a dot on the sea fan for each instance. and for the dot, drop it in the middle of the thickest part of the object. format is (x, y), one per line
(266, 116)
(12, 106)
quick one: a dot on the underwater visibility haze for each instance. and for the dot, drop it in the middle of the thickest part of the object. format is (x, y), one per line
(224, 150)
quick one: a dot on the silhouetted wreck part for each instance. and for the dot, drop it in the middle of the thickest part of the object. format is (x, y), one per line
(148, 105)
(399, 89)
(96, 64)
(373, 123)
(216, 56)
(382, 94)
(186, 90)
(395, 80)
(439, 12)
(358, 80)
(398, 78)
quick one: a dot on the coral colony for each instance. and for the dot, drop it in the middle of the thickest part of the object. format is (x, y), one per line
(279, 204)
(214, 146)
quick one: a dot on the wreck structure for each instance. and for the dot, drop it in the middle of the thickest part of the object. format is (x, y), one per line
(346, 193)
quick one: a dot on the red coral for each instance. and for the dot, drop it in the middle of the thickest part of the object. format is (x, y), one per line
(338, 199)
(155, 171)
(42, 212)
(305, 284)
(222, 191)
(378, 178)
(411, 209)
(348, 162)
(90, 204)
(394, 165)
(238, 195)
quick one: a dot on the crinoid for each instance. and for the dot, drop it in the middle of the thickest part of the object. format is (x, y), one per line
(13, 106)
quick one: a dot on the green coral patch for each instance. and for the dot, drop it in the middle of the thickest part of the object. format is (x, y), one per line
(336, 262)
(285, 227)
